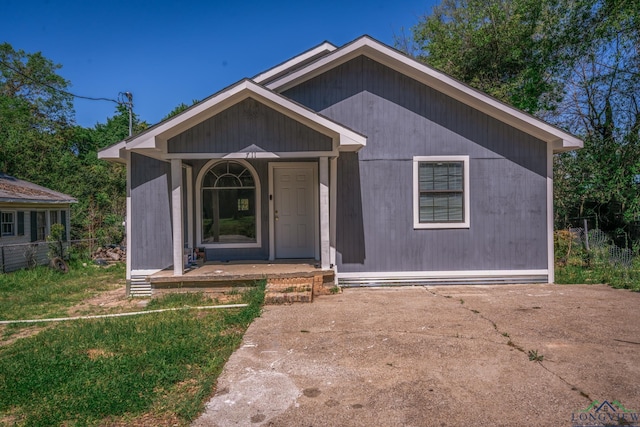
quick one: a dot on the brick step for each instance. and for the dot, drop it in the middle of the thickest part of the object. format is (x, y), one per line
(289, 290)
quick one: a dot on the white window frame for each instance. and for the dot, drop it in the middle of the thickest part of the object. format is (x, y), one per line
(199, 181)
(14, 225)
(465, 223)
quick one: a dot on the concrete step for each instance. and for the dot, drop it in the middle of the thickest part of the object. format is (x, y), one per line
(139, 287)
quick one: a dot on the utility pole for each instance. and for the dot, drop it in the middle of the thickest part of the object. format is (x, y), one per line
(129, 103)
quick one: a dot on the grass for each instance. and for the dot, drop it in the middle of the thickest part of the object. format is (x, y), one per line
(617, 277)
(43, 292)
(154, 369)
(576, 265)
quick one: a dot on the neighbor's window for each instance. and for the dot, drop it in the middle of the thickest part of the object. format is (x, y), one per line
(7, 223)
(229, 204)
(41, 225)
(53, 217)
(441, 193)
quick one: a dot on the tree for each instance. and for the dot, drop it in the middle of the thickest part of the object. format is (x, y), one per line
(40, 143)
(602, 104)
(496, 46)
(35, 110)
(179, 109)
(100, 186)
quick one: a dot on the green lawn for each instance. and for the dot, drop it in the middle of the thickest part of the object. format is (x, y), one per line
(152, 369)
(43, 292)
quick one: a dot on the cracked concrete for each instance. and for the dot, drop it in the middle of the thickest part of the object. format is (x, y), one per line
(443, 356)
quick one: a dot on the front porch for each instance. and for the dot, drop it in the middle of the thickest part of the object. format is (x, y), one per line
(287, 280)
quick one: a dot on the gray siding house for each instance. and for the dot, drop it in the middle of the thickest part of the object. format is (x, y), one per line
(359, 157)
(27, 212)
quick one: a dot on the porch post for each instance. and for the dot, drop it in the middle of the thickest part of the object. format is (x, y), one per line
(176, 215)
(333, 197)
(325, 244)
(129, 248)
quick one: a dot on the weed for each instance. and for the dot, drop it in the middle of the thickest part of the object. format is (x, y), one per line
(576, 265)
(289, 289)
(335, 290)
(475, 311)
(304, 331)
(534, 356)
(461, 301)
(505, 334)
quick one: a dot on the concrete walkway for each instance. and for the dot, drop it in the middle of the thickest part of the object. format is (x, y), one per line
(435, 356)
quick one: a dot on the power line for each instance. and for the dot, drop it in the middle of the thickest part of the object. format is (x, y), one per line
(64, 92)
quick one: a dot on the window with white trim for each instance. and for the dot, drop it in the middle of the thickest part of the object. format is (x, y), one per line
(8, 223)
(228, 199)
(441, 192)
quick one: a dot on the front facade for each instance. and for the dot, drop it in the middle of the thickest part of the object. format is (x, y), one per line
(27, 212)
(360, 158)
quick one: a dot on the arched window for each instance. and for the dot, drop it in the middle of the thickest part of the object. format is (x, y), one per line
(229, 204)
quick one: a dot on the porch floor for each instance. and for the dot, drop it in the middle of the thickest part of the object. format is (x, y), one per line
(287, 280)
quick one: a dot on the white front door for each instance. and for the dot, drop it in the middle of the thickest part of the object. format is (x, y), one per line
(295, 210)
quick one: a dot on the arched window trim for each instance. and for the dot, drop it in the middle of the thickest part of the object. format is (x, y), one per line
(199, 187)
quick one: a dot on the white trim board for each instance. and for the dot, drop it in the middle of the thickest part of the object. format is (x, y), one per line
(157, 136)
(293, 62)
(452, 277)
(147, 272)
(198, 197)
(314, 168)
(465, 223)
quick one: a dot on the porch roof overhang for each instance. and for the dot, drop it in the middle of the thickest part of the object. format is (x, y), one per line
(154, 140)
(394, 59)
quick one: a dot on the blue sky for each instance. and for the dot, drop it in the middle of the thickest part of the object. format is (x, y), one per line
(168, 52)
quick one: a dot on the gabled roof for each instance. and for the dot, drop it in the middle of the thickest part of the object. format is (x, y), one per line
(369, 47)
(294, 63)
(156, 137)
(19, 191)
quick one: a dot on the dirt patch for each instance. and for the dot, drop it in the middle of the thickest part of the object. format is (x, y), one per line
(21, 333)
(115, 300)
(98, 353)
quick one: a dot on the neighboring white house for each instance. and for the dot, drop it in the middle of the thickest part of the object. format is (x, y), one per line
(27, 212)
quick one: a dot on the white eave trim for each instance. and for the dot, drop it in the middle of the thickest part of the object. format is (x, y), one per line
(324, 47)
(113, 152)
(155, 137)
(394, 59)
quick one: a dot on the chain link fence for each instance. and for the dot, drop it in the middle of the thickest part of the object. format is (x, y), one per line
(598, 244)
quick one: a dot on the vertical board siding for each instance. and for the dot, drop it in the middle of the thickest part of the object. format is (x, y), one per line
(152, 243)
(249, 123)
(403, 118)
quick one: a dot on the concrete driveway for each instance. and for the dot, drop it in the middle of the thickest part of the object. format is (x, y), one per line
(438, 356)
